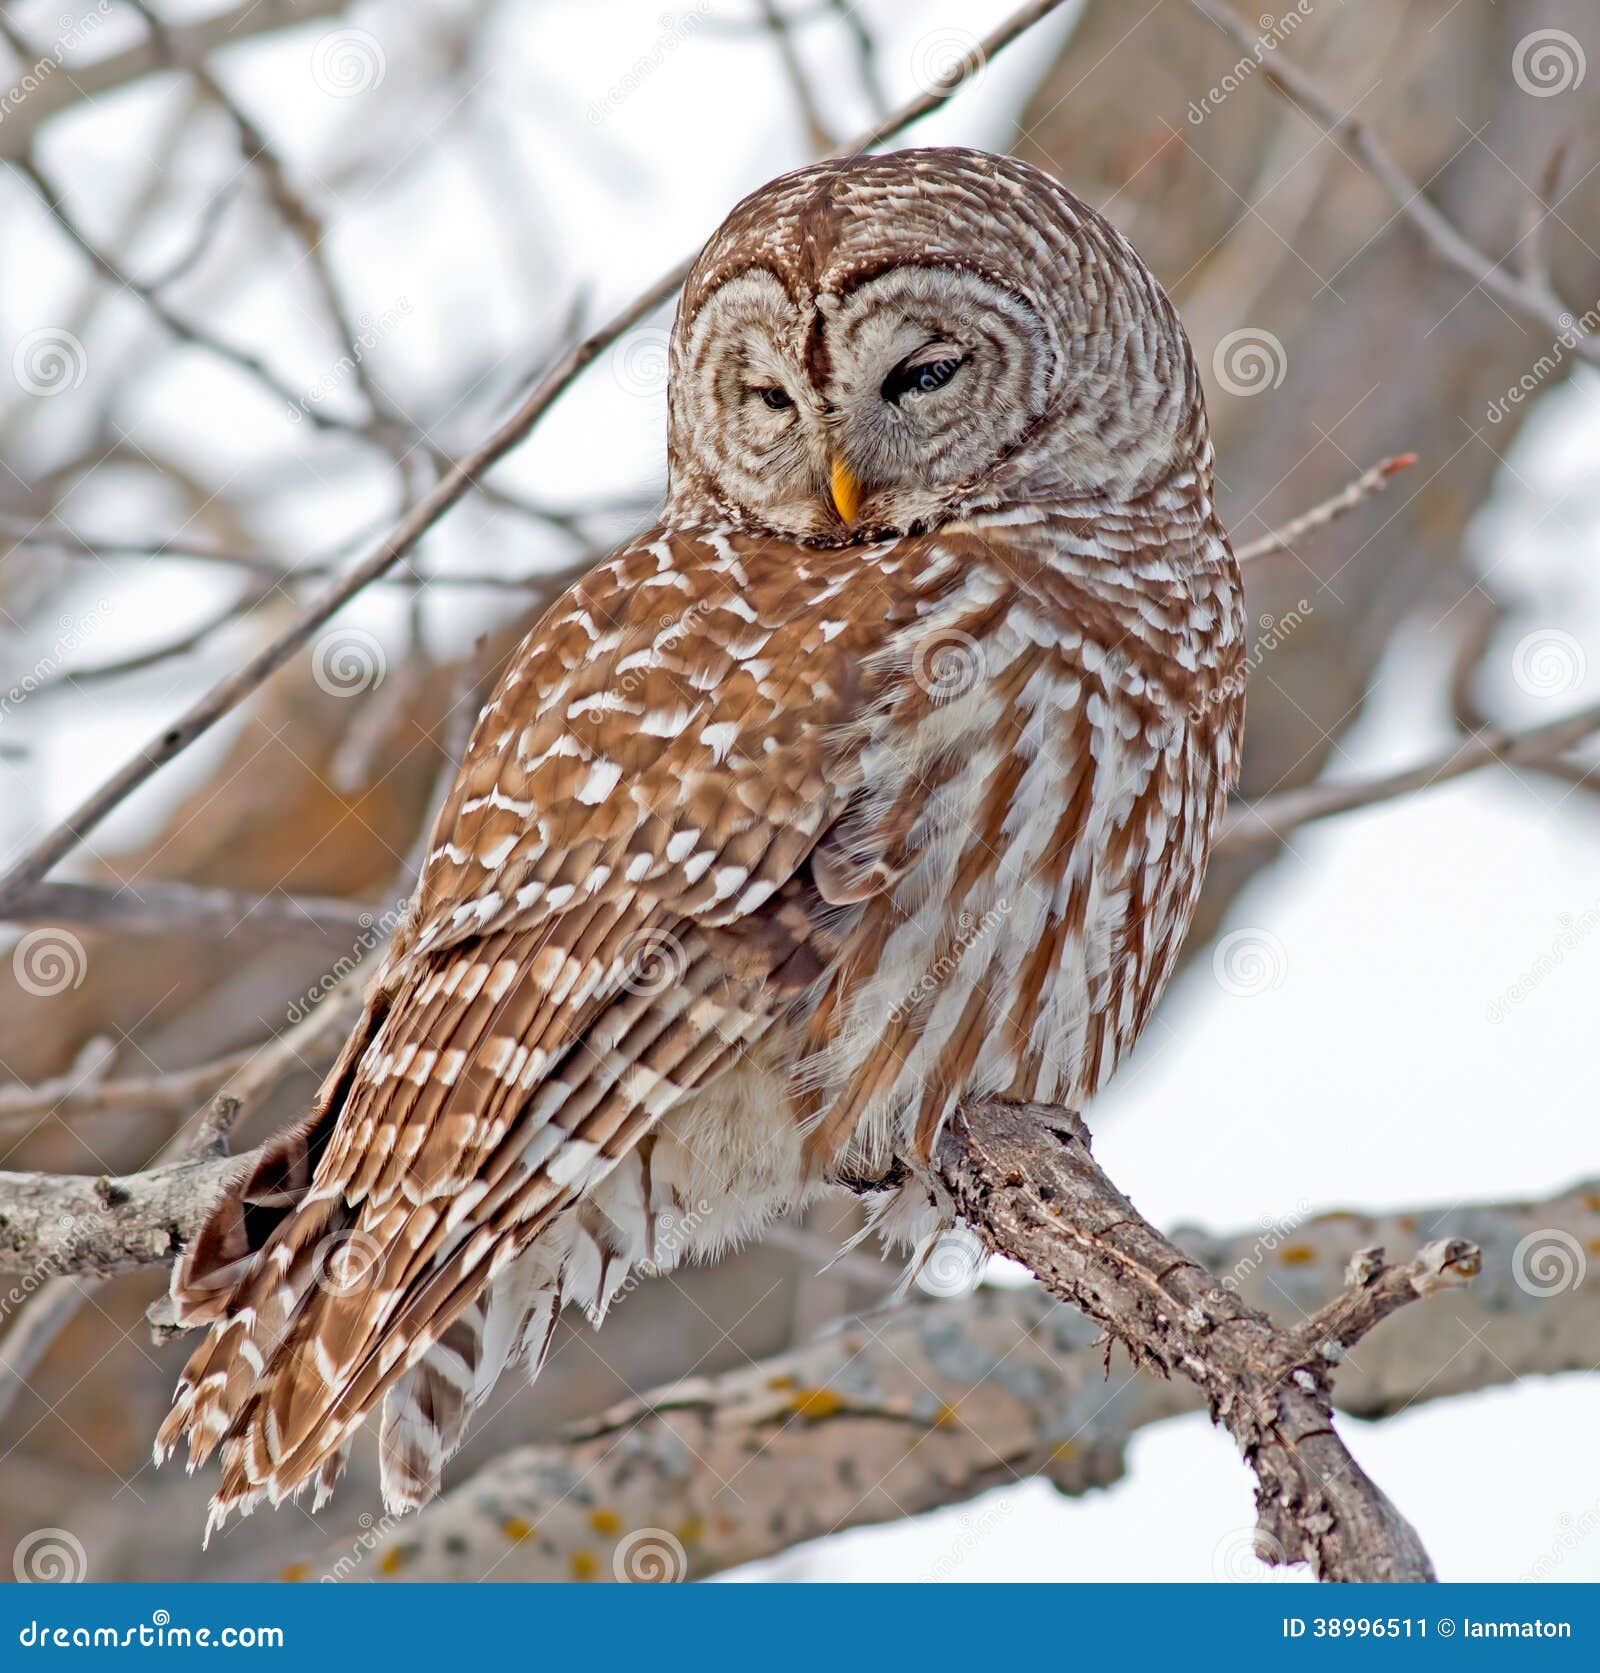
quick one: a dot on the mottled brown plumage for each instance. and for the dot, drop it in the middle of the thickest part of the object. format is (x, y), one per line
(881, 775)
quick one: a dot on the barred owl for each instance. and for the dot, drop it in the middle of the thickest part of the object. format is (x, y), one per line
(880, 775)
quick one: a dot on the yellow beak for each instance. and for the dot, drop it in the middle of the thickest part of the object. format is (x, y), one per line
(846, 491)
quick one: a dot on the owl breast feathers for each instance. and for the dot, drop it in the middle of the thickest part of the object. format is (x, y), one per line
(881, 776)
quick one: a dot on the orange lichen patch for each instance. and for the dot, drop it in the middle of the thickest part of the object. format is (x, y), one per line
(1062, 1451)
(814, 1404)
(605, 1521)
(779, 1384)
(392, 1561)
(1297, 1254)
(945, 1416)
(1594, 1245)
(516, 1530)
(691, 1530)
(294, 1572)
(1591, 1201)
(584, 1565)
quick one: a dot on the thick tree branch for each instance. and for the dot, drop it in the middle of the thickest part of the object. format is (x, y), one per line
(48, 1311)
(1024, 1179)
(934, 1403)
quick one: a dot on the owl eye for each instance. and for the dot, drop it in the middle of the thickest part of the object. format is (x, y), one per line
(920, 377)
(773, 396)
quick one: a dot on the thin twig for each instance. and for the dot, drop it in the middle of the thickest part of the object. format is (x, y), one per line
(1530, 297)
(56, 537)
(1272, 817)
(1370, 482)
(245, 1077)
(85, 82)
(302, 222)
(779, 27)
(185, 330)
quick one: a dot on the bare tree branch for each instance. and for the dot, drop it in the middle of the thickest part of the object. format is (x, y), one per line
(1273, 817)
(82, 1224)
(103, 75)
(158, 906)
(297, 215)
(1023, 1178)
(48, 1312)
(1529, 296)
(106, 264)
(894, 1415)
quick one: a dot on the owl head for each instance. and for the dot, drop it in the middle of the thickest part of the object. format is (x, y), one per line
(873, 346)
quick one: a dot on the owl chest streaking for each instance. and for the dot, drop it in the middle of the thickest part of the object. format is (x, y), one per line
(880, 776)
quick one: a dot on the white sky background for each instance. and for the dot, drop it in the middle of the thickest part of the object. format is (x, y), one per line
(1369, 1075)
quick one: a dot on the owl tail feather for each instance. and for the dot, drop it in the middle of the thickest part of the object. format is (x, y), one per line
(269, 1272)
(425, 1413)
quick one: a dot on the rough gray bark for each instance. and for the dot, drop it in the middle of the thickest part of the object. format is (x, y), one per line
(940, 1401)
(1023, 1177)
